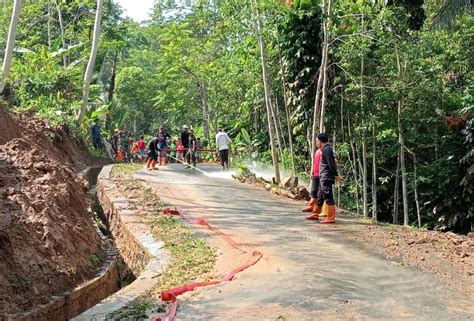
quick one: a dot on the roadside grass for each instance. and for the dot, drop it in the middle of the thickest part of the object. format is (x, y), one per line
(125, 168)
(191, 257)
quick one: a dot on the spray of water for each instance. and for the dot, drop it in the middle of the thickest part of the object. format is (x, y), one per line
(193, 167)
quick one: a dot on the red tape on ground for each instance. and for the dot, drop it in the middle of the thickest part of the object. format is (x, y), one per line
(172, 294)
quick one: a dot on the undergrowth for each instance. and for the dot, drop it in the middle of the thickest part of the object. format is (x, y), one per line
(191, 258)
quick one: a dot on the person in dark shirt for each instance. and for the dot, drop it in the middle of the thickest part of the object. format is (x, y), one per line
(95, 131)
(185, 142)
(162, 144)
(328, 175)
(164, 133)
(153, 151)
(190, 155)
(115, 141)
(185, 138)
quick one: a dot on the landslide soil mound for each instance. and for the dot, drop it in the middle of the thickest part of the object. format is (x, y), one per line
(47, 235)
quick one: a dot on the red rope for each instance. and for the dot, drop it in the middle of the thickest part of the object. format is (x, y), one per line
(172, 294)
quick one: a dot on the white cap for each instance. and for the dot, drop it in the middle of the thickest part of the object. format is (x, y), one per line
(185, 127)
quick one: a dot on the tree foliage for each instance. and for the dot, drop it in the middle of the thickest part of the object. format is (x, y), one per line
(198, 63)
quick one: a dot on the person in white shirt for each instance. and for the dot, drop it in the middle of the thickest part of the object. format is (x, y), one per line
(222, 147)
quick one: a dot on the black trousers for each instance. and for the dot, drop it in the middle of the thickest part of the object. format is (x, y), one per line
(314, 186)
(224, 156)
(153, 155)
(325, 193)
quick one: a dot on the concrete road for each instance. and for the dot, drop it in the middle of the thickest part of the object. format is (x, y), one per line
(308, 271)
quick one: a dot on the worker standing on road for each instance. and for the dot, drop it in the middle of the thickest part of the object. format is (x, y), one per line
(328, 175)
(179, 150)
(163, 144)
(185, 141)
(141, 147)
(314, 181)
(223, 147)
(153, 151)
(95, 131)
(190, 156)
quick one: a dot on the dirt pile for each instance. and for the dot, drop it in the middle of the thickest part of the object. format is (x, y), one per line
(47, 236)
(449, 256)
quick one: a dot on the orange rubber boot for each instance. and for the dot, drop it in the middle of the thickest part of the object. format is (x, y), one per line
(153, 163)
(310, 206)
(315, 214)
(163, 161)
(331, 219)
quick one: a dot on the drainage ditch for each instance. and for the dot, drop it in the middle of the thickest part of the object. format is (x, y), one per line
(126, 275)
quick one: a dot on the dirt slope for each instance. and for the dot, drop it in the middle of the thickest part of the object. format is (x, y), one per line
(47, 236)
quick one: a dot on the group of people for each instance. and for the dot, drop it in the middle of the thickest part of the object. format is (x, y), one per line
(161, 149)
(187, 149)
(324, 176)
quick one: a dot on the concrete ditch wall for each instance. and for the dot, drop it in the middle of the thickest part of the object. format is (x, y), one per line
(145, 256)
(82, 297)
(120, 218)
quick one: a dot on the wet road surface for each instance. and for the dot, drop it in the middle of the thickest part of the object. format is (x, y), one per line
(308, 272)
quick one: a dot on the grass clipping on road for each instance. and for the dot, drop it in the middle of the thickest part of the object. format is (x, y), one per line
(191, 257)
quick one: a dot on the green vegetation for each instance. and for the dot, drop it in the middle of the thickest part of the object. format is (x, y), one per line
(13, 279)
(94, 258)
(391, 82)
(137, 311)
(125, 169)
(192, 259)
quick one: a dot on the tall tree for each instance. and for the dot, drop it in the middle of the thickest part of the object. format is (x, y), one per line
(266, 85)
(90, 64)
(7, 60)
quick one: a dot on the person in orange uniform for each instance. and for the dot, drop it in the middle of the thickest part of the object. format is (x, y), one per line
(134, 151)
(120, 156)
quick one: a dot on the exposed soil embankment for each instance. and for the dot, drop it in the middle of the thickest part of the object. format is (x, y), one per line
(47, 236)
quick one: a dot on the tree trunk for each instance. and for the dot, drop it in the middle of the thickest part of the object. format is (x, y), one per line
(316, 114)
(90, 65)
(417, 202)
(205, 111)
(61, 29)
(401, 143)
(287, 109)
(49, 24)
(7, 60)
(364, 136)
(342, 114)
(280, 127)
(322, 127)
(354, 165)
(319, 86)
(365, 208)
(268, 101)
(396, 191)
(112, 79)
(275, 124)
(374, 176)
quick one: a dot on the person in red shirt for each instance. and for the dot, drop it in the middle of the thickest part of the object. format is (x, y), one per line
(314, 181)
(180, 150)
(141, 147)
